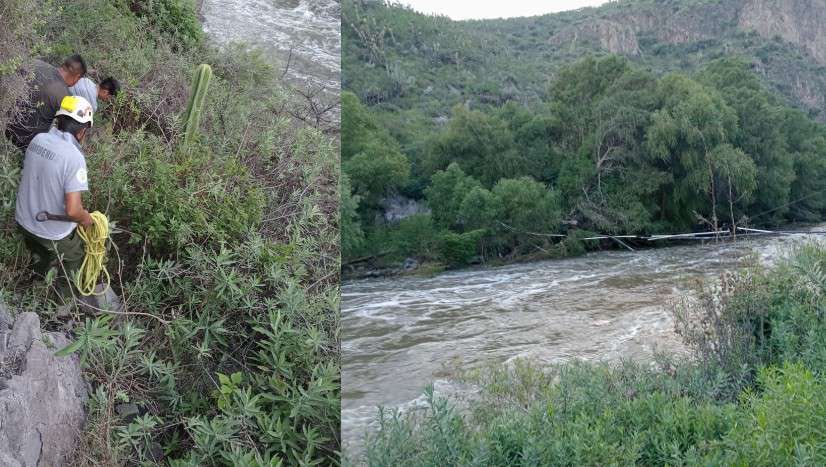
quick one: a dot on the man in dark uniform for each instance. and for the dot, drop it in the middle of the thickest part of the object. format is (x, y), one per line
(49, 86)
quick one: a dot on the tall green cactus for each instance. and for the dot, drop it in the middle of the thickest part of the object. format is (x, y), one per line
(200, 83)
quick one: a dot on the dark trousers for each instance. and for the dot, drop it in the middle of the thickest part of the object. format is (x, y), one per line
(69, 250)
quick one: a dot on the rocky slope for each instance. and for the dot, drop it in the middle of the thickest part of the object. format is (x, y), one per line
(784, 40)
(42, 396)
(799, 23)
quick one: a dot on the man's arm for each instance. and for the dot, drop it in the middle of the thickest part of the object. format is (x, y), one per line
(74, 209)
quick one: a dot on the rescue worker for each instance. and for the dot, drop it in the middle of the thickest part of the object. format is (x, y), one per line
(49, 86)
(92, 92)
(53, 178)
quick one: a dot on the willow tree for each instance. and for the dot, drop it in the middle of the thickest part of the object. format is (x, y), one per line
(760, 131)
(689, 135)
(481, 143)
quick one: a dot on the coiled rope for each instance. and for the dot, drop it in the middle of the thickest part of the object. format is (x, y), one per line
(94, 238)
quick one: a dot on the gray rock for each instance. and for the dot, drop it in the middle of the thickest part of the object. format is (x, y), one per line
(399, 207)
(42, 404)
(5, 317)
(102, 299)
(64, 311)
(109, 300)
(25, 331)
(8, 461)
(410, 264)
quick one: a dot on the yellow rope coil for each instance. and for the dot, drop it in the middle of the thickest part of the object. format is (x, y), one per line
(94, 237)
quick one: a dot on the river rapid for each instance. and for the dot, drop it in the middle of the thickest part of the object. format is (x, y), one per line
(401, 334)
(304, 36)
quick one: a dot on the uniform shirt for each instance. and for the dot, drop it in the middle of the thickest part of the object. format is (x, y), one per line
(88, 90)
(53, 166)
(48, 90)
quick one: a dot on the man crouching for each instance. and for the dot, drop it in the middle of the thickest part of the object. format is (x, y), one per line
(54, 175)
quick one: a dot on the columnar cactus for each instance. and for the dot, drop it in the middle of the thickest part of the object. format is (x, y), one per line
(192, 116)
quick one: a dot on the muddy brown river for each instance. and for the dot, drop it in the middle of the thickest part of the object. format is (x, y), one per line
(402, 334)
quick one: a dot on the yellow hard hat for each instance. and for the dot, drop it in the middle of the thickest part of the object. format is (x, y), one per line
(76, 107)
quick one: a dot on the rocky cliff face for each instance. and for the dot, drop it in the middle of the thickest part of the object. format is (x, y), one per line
(612, 36)
(618, 30)
(42, 397)
(621, 28)
(801, 22)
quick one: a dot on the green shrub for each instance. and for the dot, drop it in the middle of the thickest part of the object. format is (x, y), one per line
(175, 18)
(352, 235)
(176, 199)
(458, 249)
(579, 414)
(783, 423)
(414, 236)
(446, 192)
(760, 318)
(529, 210)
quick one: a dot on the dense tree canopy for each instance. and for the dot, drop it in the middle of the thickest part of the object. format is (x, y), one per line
(610, 149)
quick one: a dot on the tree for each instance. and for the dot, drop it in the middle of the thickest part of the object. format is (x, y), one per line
(737, 174)
(684, 136)
(480, 209)
(376, 172)
(446, 192)
(530, 211)
(806, 141)
(602, 107)
(481, 144)
(352, 235)
(532, 132)
(360, 129)
(575, 94)
(759, 131)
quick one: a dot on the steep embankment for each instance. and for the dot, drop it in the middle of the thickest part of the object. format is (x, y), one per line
(224, 245)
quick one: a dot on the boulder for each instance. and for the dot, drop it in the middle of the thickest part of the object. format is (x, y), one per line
(42, 397)
(410, 264)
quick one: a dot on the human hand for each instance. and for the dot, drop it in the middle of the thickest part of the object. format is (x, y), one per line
(86, 219)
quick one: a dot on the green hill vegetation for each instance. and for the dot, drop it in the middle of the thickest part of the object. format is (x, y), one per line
(505, 131)
(225, 251)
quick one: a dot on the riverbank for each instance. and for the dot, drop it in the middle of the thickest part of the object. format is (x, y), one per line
(751, 392)
(225, 252)
(372, 268)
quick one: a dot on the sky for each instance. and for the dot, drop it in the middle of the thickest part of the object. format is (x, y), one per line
(479, 9)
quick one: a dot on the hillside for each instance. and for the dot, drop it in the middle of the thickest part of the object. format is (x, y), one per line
(394, 56)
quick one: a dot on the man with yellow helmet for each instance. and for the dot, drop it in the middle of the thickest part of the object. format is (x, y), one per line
(53, 178)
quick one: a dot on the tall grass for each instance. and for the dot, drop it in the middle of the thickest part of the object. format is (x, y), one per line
(225, 254)
(752, 392)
